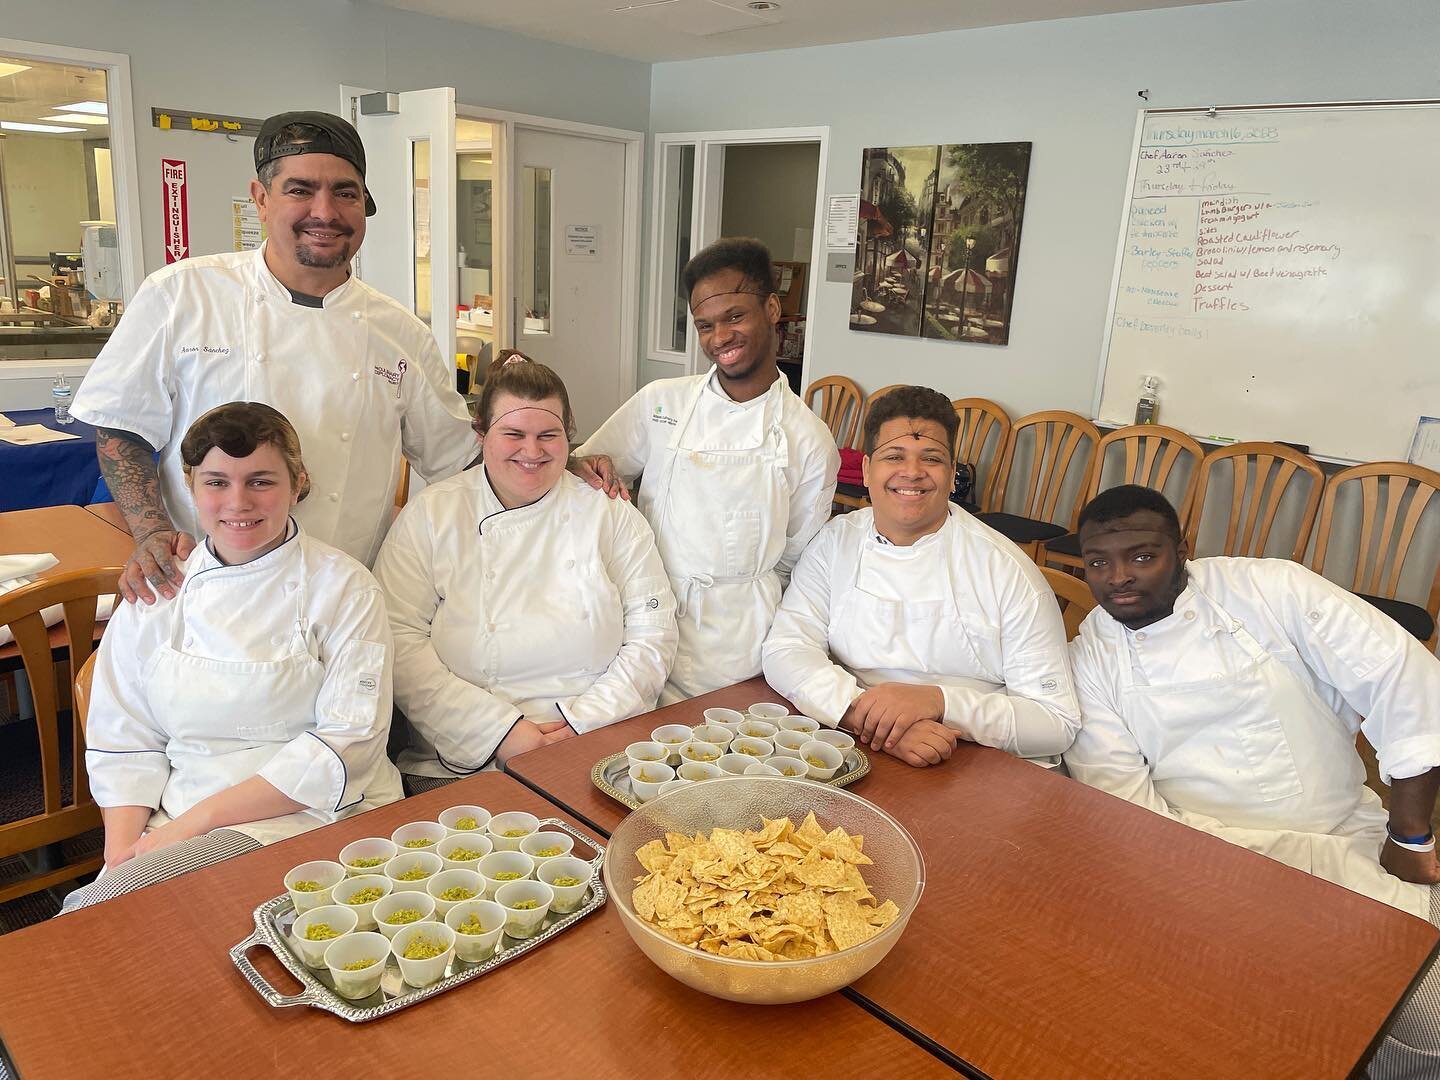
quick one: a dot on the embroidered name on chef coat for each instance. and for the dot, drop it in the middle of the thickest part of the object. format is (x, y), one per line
(368, 685)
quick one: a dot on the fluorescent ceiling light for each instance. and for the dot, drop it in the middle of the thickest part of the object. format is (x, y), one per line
(78, 118)
(94, 108)
(12, 69)
(49, 129)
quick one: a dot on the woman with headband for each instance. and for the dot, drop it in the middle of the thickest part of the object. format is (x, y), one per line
(255, 703)
(526, 606)
(913, 625)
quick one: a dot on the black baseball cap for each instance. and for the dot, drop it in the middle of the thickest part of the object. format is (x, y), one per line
(335, 136)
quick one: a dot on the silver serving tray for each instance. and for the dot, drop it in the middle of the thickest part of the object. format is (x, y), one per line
(272, 930)
(612, 775)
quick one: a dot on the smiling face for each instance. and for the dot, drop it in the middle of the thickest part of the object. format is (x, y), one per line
(736, 327)
(1135, 567)
(909, 478)
(244, 503)
(314, 208)
(525, 448)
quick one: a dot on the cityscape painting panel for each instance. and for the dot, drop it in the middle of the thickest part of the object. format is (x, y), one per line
(938, 240)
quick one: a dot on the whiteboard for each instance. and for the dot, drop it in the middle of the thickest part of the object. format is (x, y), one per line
(1279, 271)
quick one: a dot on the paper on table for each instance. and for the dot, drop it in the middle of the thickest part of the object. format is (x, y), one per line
(5, 421)
(30, 434)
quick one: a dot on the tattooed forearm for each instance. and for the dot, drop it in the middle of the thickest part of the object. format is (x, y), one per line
(128, 464)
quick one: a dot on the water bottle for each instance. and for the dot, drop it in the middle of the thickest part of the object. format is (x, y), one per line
(1146, 407)
(60, 393)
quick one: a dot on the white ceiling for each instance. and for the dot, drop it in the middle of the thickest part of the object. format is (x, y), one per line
(658, 30)
(31, 96)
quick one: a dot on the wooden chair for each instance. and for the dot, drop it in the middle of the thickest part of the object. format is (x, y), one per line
(402, 489)
(840, 406)
(1062, 441)
(1394, 497)
(1152, 451)
(80, 692)
(20, 610)
(854, 496)
(1261, 474)
(1073, 596)
(978, 418)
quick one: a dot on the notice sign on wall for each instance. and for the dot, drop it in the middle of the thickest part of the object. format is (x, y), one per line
(245, 220)
(582, 241)
(177, 211)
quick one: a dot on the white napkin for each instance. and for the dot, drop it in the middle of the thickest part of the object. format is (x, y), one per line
(17, 571)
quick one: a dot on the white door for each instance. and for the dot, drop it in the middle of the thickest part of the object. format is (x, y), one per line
(568, 290)
(410, 171)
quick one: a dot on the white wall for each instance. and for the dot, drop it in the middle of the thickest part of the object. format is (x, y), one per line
(269, 56)
(1070, 88)
(769, 193)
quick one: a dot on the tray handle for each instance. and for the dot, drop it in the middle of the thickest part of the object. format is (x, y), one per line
(240, 955)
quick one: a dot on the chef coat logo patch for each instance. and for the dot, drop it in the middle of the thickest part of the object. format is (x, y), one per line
(659, 416)
(653, 603)
(396, 377)
(368, 685)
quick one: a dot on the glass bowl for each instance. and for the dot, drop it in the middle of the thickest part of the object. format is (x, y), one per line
(739, 802)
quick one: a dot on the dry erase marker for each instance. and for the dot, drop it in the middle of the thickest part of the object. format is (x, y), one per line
(1219, 438)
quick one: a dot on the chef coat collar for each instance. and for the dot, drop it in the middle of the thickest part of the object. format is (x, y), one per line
(209, 561)
(271, 284)
(494, 513)
(1192, 611)
(714, 386)
(940, 535)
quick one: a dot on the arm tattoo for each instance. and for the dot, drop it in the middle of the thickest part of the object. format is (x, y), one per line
(128, 464)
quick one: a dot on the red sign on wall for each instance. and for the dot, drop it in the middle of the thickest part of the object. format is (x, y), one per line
(177, 211)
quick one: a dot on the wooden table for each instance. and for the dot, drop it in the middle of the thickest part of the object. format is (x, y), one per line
(109, 512)
(143, 986)
(1064, 932)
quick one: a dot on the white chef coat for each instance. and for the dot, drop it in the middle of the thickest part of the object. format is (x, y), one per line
(962, 609)
(191, 696)
(734, 492)
(1237, 714)
(361, 379)
(559, 610)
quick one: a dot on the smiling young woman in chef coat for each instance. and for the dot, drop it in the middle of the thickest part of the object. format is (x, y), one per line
(526, 607)
(255, 704)
(914, 625)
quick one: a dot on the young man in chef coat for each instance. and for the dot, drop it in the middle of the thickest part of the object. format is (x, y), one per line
(912, 624)
(359, 376)
(1227, 694)
(738, 472)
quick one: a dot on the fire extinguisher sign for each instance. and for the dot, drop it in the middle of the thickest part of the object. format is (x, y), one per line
(177, 211)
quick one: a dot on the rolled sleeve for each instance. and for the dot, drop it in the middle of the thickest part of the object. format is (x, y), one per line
(128, 387)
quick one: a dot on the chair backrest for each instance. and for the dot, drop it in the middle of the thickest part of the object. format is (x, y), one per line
(840, 406)
(979, 417)
(402, 489)
(1073, 596)
(1261, 475)
(1152, 451)
(58, 820)
(1394, 497)
(80, 692)
(865, 410)
(1058, 436)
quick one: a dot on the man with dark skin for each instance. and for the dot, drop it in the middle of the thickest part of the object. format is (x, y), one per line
(1227, 694)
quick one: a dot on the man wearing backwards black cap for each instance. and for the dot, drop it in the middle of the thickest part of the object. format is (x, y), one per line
(359, 376)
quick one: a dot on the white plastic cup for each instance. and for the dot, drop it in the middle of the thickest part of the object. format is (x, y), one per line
(322, 872)
(841, 740)
(735, 764)
(768, 711)
(758, 729)
(729, 719)
(796, 722)
(524, 923)
(365, 911)
(474, 842)
(704, 752)
(343, 920)
(759, 768)
(567, 897)
(712, 733)
(696, 771)
(419, 973)
(476, 948)
(672, 737)
(792, 768)
(788, 743)
(830, 758)
(516, 821)
(638, 753)
(352, 949)
(465, 880)
(419, 835)
(424, 903)
(503, 862)
(645, 790)
(451, 816)
(536, 843)
(674, 785)
(759, 749)
(407, 862)
(372, 847)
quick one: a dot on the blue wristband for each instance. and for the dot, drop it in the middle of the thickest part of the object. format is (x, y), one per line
(1426, 839)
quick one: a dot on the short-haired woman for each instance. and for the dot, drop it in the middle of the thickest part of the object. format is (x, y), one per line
(255, 704)
(526, 607)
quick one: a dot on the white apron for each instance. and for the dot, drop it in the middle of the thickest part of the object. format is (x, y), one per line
(1258, 751)
(712, 502)
(227, 718)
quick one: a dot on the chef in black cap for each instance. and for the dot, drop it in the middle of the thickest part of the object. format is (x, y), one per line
(359, 376)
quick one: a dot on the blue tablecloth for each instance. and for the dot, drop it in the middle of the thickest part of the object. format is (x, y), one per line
(48, 474)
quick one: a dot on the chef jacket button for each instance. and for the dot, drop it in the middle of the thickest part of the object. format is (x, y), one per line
(489, 575)
(259, 299)
(291, 586)
(189, 643)
(490, 626)
(1140, 636)
(1189, 614)
(334, 496)
(355, 376)
(345, 436)
(1314, 616)
(569, 564)
(355, 315)
(1217, 676)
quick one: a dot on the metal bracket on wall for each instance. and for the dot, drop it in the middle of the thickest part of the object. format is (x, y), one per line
(182, 120)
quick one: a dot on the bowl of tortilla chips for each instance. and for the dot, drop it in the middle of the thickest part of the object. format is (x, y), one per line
(762, 889)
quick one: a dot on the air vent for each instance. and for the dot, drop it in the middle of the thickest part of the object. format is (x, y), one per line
(698, 18)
